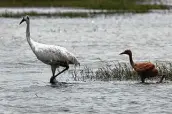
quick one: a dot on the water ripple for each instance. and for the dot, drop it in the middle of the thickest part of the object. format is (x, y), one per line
(24, 82)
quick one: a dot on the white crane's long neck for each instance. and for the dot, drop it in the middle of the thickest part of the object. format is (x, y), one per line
(30, 41)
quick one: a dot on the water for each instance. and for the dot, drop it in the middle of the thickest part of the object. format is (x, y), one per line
(24, 81)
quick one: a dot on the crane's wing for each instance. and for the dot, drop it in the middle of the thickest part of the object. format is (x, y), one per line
(72, 59)
(50, 53)
(140, 67)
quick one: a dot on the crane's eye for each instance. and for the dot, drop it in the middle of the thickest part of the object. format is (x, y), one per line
(27, 17)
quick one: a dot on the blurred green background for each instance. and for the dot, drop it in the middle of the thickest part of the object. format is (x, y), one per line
(91, 4)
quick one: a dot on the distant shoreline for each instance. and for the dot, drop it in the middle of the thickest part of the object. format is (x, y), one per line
(70, 14)
(127, 5)
(111, 7)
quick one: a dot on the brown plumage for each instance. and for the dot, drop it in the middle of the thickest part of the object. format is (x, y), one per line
(144, 70)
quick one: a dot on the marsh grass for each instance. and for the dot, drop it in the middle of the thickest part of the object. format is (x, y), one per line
(165, 69)
(58, 14)
(120, 72)
(90, 14)
(65, 14)
(113, 6)
(90, 4)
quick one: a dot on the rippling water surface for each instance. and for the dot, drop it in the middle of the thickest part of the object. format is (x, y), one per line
(24, 81)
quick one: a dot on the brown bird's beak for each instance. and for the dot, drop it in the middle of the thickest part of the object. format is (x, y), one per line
(22, 21)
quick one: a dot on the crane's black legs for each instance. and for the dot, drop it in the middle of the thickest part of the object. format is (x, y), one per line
(163, 76)
(53, 68)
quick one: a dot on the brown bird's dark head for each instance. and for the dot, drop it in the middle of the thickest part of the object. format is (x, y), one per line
(128, 52)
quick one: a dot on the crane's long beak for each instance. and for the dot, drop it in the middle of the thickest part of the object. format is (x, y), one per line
(22, 21)
(121, 53)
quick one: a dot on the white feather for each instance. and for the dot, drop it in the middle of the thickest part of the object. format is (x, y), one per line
(50, 54)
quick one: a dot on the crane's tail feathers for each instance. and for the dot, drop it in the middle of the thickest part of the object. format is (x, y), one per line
(77, 64)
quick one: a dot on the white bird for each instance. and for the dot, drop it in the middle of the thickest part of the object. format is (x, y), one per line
(52, 55)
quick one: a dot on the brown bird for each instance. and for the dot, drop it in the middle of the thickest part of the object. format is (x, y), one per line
(144, 70)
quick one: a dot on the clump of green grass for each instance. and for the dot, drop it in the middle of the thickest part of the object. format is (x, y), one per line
(165, 68)
(120, 72)
(83, 74)
(115, 72)
(125, 5)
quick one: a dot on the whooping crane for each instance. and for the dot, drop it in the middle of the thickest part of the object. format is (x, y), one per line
(54, 56)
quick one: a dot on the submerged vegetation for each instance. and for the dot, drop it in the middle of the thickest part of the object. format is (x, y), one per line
(120, 72)
(111, 6)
